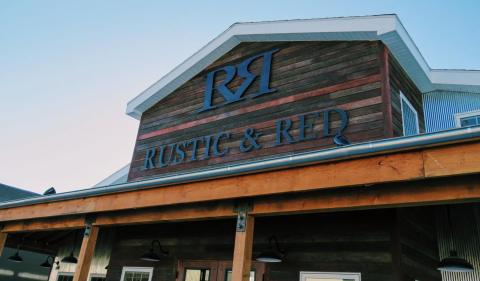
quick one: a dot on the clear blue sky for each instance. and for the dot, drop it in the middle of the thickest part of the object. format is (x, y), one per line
(68, 68)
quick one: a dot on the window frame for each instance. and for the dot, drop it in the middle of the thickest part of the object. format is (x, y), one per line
(96, 275)
(458, 117)
(149, 270)
(417, 123)
(63, 273)
(357, 276)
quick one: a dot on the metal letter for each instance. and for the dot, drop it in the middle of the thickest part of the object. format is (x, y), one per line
(283, 131)
(222, 88)
(216, 151)
(148, 163)
(326, 121)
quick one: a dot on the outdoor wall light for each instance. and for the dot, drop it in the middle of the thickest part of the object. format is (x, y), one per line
(70, 258)
(151, 255)
(453, 263)
(47, 263)
(16, 257)
(273, 253)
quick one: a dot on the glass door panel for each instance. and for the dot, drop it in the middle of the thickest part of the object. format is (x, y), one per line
(197, 274)
(228, 276)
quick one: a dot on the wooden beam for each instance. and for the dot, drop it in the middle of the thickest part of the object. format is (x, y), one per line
(86, 255)
(3, 241)
(242, 253)
(398, 167)
(419, 193)
(462, 158)
(200, 211)
(49, 224)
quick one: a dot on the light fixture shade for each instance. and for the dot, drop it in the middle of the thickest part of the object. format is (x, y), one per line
(150, 256)
(70, 259)
(16, 257)
(269, 256)
(453, 263)
(47, 263)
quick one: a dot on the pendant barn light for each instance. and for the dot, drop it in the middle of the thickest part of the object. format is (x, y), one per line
(151, 255)
(272, 254)
(453, 263)
(47, 263)
(16, 257)
(71, 258)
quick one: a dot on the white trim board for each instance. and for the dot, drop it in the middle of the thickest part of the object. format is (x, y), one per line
(386, 28)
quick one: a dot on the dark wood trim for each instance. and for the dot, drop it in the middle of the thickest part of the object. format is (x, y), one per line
(386, 91)
(3, 240)
(396, 247)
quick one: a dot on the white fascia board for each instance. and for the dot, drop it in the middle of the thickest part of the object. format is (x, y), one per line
(386, 28)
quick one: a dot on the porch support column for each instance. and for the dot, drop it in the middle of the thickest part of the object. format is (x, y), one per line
(3, 239)
(86, 252)
(242, 253)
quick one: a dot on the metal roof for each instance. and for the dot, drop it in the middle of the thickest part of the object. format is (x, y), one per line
(386, 28)
(8, 193)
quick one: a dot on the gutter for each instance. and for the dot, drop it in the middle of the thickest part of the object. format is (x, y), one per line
(289, 161)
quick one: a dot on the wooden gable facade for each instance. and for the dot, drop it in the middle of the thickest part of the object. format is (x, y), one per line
(306, 79)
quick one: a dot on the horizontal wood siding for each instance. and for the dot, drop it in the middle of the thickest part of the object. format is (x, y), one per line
(418, 244)
(308, 76)
(399, 81)
(336, 242)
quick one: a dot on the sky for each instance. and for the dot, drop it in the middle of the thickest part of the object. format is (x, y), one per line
(68, 69)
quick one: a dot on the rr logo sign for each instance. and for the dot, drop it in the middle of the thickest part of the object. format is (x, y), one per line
(242, 70)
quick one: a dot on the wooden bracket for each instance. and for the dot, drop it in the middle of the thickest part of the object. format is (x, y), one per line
(242, 209)
(89, 221)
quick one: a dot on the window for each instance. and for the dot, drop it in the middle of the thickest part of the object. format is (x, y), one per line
(467, 119)
(97, 277)
(65, 276)
(328, 276)
(409, 117)
(228, 276)
(137, 274)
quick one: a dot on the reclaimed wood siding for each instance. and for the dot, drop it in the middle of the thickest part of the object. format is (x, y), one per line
(418, 247)
(399, 81)
(336, 242)
(308, 76)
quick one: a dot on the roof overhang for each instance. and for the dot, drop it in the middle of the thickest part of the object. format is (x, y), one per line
(385, 28)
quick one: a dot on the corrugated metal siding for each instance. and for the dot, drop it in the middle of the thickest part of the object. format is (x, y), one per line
(440, 108)
(466, 234)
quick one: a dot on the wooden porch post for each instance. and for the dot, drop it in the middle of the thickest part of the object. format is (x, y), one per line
(86, 253)
(3, 240)
(242, 254)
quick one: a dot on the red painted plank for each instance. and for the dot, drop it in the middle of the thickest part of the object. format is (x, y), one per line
(265, 105)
